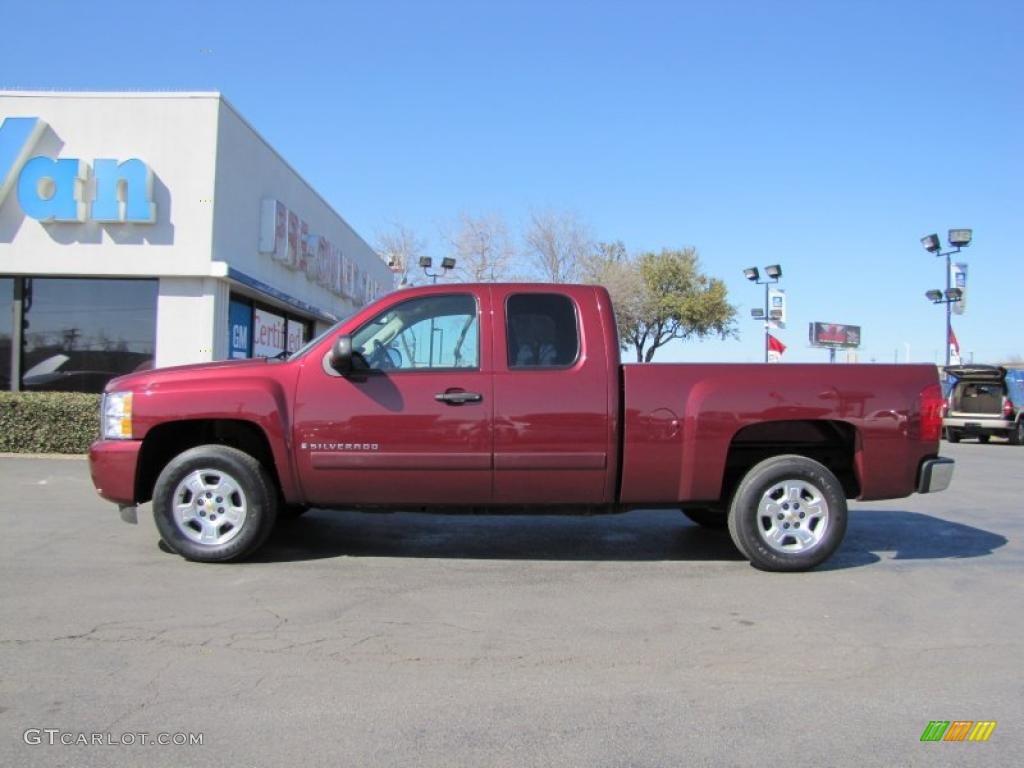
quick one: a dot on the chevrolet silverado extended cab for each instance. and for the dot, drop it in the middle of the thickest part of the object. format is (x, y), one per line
(511, 396)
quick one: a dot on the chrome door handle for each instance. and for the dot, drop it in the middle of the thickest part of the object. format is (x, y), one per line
(458, 398)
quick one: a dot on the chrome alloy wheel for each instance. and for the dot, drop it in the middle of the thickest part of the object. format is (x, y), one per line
(792, 516)
(209, 507)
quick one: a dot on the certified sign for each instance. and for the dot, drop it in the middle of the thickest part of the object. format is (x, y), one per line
(268, 334)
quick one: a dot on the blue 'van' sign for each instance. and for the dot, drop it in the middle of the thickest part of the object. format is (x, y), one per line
(49, 189)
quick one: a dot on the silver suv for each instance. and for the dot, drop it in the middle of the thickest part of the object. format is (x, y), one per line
(984, 400)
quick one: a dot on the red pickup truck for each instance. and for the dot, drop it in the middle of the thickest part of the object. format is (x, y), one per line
(511, 396)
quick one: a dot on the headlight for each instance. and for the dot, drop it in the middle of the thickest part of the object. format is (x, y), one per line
(116, 416)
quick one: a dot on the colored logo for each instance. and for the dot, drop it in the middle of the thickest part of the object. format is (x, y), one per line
(958, 730)
(65, 190)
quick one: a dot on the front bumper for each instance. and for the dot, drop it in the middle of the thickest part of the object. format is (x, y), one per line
(112, 464)
(935, 475)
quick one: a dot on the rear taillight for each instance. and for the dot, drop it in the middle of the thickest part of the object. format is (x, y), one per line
(930, 403)
(1007, 408)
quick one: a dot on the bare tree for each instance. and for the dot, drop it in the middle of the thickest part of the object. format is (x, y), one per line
(482, 248)
(558, 244)
(401, 249)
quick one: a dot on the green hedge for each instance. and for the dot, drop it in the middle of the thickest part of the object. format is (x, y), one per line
(48, 422)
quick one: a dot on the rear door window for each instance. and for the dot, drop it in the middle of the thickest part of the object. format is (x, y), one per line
(543, 331)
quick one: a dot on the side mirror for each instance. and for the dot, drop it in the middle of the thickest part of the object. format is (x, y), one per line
(341, 355)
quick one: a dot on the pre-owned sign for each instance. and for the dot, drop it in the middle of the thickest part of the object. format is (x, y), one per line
(287, 239)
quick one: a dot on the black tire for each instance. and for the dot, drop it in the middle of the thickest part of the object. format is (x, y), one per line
(1016, 435)
(212, 466)
(707, 517)
(952, 435)
(814, 487)
(983, 438)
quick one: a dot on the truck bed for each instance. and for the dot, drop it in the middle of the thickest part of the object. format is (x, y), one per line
(689, 429)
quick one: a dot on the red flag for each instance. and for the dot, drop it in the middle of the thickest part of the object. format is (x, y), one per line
(774, 345)
(954, 348)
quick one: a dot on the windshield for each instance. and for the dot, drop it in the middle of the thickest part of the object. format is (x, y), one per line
(316, 340)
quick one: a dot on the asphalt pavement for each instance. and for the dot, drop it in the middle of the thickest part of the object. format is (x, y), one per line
(406, 639)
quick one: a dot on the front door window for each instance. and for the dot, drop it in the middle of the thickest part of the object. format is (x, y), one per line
(428, 333)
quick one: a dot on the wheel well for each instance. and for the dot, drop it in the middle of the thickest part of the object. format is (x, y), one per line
(832, 443)
(165, 441)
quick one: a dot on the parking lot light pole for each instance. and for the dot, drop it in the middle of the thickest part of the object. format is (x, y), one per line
(447, 263)
(958, 238)
(773, 272)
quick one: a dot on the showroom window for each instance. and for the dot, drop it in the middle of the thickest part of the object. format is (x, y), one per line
(78, 334)
(6, 329)
(259, 331)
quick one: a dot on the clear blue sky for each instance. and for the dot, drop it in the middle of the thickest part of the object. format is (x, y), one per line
(827, 136)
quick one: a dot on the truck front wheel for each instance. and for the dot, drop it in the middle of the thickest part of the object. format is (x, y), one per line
(788, 514)
(213, 503)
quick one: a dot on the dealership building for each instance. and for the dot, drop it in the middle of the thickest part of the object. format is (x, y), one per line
(155, 229)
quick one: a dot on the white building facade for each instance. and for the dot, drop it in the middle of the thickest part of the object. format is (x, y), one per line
(156, 229)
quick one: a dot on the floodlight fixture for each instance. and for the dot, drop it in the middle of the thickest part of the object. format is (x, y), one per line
(774, 271)
(931, 243)
(954, 294)
(934, 295)
(426, 262)
(757, 313)
(751, 273)
(447, 263)
(960, 238)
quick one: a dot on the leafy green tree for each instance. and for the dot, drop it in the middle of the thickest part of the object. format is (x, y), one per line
(660, 297)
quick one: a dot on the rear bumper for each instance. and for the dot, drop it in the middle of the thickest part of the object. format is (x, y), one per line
(935, 475)
(977, 424)
(112, 464)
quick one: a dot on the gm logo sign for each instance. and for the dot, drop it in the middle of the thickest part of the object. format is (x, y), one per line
(52, 190)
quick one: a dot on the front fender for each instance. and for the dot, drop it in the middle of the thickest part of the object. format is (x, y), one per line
(261, 401)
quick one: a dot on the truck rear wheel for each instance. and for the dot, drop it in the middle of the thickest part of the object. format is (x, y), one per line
(788, 514)
(213, 503)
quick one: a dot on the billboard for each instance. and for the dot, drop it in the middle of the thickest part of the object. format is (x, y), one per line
(835, 335)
